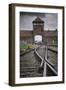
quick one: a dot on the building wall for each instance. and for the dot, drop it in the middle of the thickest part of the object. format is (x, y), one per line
(27, 39)
(49, 37)
(51, 41)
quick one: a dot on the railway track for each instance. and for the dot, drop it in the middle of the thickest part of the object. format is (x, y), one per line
(49, 61)
(38, 63)
(29, 65)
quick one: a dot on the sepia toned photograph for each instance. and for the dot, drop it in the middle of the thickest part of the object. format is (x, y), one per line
(38, 44)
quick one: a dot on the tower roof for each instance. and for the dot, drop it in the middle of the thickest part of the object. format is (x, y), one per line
(38, 20)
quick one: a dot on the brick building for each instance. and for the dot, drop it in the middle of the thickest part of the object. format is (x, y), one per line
(47, 37)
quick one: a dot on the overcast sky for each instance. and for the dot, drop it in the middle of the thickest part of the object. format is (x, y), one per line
(50, 19)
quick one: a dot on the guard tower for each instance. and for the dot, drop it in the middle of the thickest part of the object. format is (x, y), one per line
(38, 30)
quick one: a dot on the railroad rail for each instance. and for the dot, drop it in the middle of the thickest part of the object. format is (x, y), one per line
(44, 62)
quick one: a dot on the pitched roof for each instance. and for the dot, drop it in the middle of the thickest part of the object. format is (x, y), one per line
(45, 33)
(38, 20)
(50, 33)
(26, 33)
